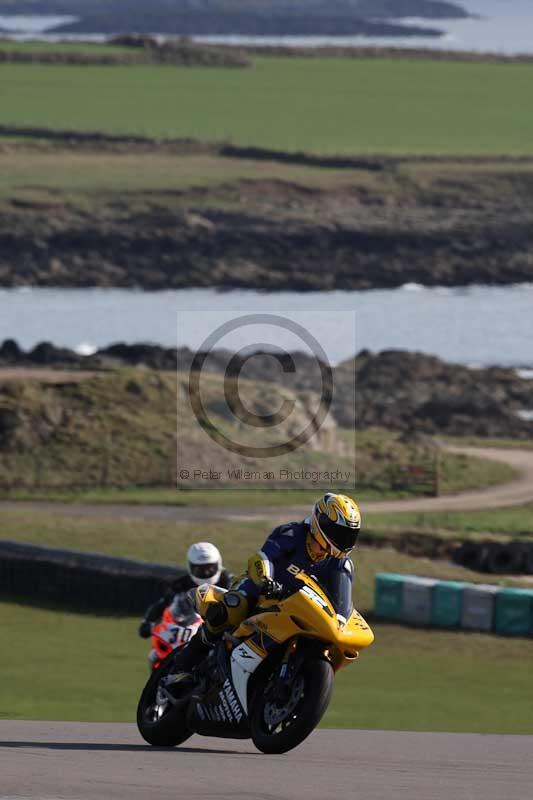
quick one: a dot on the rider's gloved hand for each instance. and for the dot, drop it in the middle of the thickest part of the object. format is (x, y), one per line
(272, 590)
(145, 629)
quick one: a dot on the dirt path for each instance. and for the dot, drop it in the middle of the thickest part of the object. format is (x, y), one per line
(515, 492)
(45, 374)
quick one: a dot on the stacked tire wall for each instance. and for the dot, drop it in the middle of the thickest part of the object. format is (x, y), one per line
(454, 604)
(497, 558)
(80, 581)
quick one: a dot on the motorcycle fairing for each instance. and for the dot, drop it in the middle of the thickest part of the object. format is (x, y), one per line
(172, 633)
(308, 612)
(219, 712)
(260, 641)
(244, 662)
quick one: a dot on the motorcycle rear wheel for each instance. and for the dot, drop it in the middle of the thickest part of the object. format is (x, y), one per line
(302, 719)
(169, 729)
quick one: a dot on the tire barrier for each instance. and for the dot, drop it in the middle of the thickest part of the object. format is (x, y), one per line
(505, 559)
(467, 555)
(497, 558)
(80, 581)
(528, 560)
(453, 604)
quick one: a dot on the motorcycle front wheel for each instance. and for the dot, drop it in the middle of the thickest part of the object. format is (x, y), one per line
(280, 723)
(162, 721)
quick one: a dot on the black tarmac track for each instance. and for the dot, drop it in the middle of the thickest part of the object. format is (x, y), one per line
(77, 761)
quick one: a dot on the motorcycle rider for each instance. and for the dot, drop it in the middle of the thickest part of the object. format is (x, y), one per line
(204, 565)
(319, 545)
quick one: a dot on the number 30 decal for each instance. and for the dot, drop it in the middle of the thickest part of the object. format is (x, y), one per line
(179, 634)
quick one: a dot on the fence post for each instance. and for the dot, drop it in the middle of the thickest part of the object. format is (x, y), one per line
(437, 472)
(37, 475)
(104, 474)
(172, 465)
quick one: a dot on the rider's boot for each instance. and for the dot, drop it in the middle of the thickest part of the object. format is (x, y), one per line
(190, 655)
(219, 617)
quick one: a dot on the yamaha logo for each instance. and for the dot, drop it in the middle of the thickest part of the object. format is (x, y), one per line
(232, 700)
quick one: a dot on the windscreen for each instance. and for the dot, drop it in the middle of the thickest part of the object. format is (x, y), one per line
(338, 587)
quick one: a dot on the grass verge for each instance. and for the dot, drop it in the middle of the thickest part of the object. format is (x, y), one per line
(117, 429)
(93, 669)
(167, 542)
(513, 522)
(458, 473)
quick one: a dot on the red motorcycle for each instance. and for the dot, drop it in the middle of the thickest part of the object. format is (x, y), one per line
(179, 623)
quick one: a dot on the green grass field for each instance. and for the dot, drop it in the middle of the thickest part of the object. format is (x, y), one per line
(81, 667)
(69, 173)
(51, 173)
(324, 105)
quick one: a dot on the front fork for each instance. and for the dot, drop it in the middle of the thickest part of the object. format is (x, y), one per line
(288, 666)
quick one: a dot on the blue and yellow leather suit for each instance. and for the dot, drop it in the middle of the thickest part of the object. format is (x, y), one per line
(282, 556)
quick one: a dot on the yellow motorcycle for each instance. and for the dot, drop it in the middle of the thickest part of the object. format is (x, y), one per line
(270, 680)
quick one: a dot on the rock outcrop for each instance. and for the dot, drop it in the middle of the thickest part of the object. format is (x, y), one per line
(394, 389)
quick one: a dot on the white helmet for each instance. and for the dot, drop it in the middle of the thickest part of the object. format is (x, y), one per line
(204, 562)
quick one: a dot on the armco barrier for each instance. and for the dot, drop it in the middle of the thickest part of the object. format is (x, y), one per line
(452, 604)
(76, 580)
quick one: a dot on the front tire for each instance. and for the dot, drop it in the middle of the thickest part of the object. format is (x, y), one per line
(159, 725)
(272, 732)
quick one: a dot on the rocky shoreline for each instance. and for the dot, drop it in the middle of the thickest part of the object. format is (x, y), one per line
(239, 251)
(398, 390)
(374, 221)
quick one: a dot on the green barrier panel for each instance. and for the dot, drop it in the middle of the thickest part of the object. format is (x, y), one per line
(447, 604)
(388, 601)
(514, 612)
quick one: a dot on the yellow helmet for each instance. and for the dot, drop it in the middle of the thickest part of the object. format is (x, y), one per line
(335, 524)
